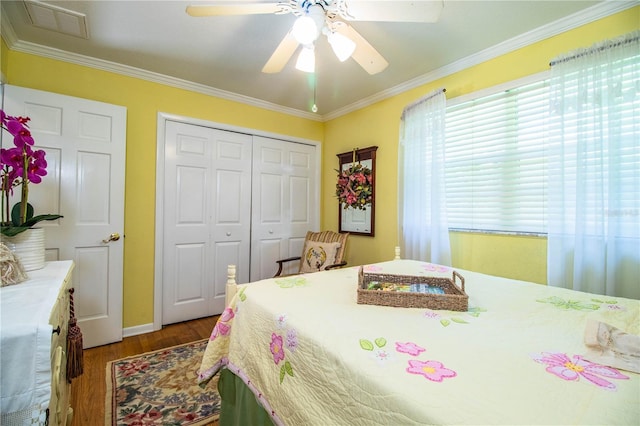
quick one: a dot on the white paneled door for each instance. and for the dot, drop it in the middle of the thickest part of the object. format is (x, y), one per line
(207, 192)
(284, 203)
(85, 145)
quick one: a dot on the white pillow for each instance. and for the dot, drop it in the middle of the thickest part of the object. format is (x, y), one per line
(317, 256)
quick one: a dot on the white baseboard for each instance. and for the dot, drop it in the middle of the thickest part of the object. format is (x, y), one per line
(138, 329)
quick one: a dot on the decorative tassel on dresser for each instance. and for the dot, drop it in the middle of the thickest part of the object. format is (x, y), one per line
(75, 362)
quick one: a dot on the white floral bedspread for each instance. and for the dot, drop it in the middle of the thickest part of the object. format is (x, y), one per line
(312, 355)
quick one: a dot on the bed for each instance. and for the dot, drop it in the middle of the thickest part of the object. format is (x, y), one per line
(308, 353)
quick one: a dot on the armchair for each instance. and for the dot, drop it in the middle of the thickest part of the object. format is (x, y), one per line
(322, 251)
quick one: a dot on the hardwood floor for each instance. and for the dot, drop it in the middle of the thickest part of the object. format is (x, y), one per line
(88, 392)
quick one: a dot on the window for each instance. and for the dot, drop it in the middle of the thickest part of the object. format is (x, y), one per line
(495, 160)
(593, 166)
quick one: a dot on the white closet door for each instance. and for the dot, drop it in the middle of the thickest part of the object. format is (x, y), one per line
(284, 202)
(206, 217)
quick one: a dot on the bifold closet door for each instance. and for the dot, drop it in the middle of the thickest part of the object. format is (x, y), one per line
(207, 218)
(284, 203)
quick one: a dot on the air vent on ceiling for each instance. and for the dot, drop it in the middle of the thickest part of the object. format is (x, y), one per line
(55, 18)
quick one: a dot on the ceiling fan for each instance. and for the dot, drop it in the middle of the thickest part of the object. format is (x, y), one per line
(315, 17)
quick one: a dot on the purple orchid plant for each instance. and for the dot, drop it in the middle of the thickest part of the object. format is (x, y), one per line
(19, 166)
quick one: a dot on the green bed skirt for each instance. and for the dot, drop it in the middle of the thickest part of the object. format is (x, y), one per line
(239, 406)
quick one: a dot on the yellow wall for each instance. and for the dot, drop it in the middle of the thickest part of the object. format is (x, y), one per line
(3, 57)
(514, 257)
(143, 101)
(519, 257)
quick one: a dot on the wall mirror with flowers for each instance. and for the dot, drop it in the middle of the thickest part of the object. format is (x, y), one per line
(355, 190)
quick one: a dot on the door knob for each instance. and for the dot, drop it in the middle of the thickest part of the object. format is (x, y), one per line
(113, 237)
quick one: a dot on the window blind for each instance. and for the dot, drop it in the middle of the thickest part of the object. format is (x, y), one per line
(495, 161)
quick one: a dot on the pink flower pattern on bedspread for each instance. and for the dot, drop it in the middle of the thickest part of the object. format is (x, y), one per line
(278, 345)
(276, 348)
(223, 325)
(432, 370)
(372, 268)
(432, 267)
(409, 348)
(570, 369)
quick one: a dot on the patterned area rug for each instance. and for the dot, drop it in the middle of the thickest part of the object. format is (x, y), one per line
(160, 388)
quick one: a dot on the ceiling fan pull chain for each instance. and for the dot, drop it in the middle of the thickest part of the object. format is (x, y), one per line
(314, 108)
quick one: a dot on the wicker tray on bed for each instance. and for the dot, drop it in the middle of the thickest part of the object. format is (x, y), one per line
(452, 297)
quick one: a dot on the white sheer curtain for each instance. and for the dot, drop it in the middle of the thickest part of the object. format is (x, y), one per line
(594, 169)
(424, 232)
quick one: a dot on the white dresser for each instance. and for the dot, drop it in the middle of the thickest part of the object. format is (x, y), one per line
(34, 317)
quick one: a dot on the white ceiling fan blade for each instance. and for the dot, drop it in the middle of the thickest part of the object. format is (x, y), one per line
(222, 8)
(394, 11)
(365, 54)
(281, 55)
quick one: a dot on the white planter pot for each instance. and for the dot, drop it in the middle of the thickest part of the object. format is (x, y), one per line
(28, 246)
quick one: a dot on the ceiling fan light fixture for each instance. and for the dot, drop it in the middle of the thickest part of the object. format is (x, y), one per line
(305, 30)
(342, 45)
(306, 60)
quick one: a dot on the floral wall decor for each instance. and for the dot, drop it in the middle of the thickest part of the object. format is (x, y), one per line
(355, 190)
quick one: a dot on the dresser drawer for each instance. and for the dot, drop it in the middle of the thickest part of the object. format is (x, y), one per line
(60, 321)
(60, 387)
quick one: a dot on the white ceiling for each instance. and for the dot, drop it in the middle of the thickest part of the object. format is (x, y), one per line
(224, 55)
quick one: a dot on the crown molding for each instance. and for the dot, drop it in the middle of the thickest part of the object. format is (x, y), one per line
(6, 30)
(599, 11)
(47, 52)
(9, 36)
(586, 16)
(166, 80)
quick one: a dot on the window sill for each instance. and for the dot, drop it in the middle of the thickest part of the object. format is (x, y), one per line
(489, 232)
